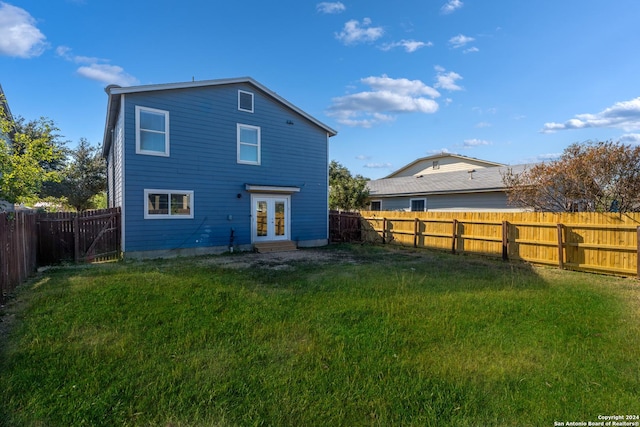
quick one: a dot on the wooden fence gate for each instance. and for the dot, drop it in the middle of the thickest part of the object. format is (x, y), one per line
(79, 237)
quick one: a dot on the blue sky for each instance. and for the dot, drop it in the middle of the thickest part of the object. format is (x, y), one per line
(502, 80)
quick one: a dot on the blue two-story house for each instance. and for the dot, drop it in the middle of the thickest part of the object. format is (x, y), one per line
(207, 166)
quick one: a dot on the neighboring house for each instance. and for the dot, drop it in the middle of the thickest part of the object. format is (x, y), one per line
(204, 166)
(5, 138)
(469, 185)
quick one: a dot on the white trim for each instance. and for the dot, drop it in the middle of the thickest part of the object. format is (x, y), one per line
(271, 189)
(147, 215)
(117, 90)
(252, 101)
(239, 143)
(123, 214)
(424, 199)
(139, 150)
(270, 209)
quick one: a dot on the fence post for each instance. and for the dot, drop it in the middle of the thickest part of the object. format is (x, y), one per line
(454, 236)
(505, 240)
(76, 239)
(638, 253)
(560, 245)
(384, 230)
(416, 222)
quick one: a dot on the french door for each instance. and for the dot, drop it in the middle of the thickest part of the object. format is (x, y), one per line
(270, 218)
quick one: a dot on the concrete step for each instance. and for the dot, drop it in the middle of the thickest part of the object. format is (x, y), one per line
(278, 246)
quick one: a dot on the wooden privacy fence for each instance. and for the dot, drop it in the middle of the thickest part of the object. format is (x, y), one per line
(29, 240)
(18, 249)
(89, 236)
(344, 226)
(595, 242)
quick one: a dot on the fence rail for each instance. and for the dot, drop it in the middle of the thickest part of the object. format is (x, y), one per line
(595, 242)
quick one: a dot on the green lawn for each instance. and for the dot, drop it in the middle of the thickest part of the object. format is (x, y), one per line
(364, 336)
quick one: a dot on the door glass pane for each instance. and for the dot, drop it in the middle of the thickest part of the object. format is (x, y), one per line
(261, 218)
(280, 225)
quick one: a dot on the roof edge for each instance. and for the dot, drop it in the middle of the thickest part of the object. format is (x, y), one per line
(118, 90)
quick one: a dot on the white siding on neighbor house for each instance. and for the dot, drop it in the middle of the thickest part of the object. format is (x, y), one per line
(485, 201)
(445, 164)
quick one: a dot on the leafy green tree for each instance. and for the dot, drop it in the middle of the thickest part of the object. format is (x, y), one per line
(346, 192)
(30, 156)
(83, 178)
(589, 177)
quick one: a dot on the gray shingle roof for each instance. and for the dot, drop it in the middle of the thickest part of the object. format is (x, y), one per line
(483, 179)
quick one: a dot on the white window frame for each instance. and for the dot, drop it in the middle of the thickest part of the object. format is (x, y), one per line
(240, 92)
(169, 215)
(375, 201)
(139, 150)
(240, 143)
(424, 200)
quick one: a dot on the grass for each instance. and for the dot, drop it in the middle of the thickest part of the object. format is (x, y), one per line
(375, 337)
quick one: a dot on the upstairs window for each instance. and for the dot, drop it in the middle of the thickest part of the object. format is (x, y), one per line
(245, 101)
(152, 131)
(248, 144)
(436, 165)
(168, 204)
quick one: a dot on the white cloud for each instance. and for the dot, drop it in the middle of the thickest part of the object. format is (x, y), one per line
(483, 125)
(19, 35)
(409, 45)
(109, 74)
(363, 157)
(460, 41)
(66, 53)
(470, 143)
(447, 81)
(471, 50)
(630, 138)
(440, 151)
(354, 32)
(451, 6)
(378, 165)
(96, 69)
(388, 97)
(623, 115)
(330, 7)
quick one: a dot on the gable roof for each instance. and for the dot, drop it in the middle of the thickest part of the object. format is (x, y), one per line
(481, 180)
(428, 159)
(115, 92)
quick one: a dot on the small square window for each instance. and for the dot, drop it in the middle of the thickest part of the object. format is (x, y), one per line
(376, 205)
(436, 165)
(245, 101)
(418, 205)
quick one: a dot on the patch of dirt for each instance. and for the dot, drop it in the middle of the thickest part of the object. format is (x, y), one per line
(278, 260)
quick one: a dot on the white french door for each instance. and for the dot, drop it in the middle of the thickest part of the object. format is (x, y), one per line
(270, 218)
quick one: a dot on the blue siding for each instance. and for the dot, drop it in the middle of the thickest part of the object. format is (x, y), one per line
(203, 159)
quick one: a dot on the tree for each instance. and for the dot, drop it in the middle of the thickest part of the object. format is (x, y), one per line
(592, 177)
(83, 178)
(31, 155)
(346, 192)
